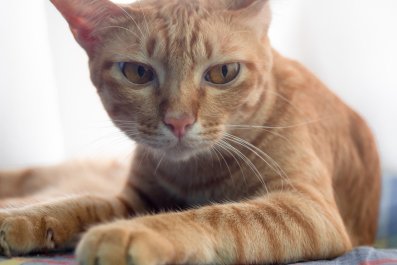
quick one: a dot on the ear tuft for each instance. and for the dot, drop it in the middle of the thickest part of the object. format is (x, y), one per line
(84, 16)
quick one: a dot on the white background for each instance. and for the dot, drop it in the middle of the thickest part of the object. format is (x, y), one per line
(49, 110)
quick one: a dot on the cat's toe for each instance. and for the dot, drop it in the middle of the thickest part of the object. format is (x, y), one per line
(21, 234)
(15, 235)
(103, 246)
(123, 243)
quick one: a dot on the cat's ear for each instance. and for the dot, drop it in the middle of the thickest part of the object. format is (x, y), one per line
(84, 16)
(253, 13)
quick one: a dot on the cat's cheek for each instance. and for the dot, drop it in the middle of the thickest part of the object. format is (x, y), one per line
(120, 111)
(115, 111)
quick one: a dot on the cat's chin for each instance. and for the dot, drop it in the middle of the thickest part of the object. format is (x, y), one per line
(178, 154)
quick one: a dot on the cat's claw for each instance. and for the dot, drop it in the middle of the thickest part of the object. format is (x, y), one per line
(4, 248)
(50, 239)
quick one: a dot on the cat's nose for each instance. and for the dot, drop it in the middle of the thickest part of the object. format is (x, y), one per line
(179, 125)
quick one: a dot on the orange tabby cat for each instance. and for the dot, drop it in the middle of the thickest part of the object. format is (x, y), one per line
(243, 155)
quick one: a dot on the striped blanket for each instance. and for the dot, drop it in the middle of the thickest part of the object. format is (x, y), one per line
(38, 260)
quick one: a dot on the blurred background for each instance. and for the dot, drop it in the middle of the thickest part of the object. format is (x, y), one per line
(49, 110)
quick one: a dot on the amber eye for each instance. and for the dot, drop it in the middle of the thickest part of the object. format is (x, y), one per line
(223, 73)
(136, 73)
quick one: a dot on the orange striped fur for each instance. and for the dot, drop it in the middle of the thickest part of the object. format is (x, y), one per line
(274, 169)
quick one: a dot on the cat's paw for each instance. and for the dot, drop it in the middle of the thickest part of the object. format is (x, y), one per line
(22, 232)
(125, 243)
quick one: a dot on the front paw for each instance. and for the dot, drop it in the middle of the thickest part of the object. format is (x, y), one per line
(125, 243)
(22, 232)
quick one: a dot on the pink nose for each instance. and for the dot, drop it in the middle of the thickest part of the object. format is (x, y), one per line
(180, 125)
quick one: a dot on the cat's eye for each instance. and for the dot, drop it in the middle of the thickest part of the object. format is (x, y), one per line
(223, 73)
(137, 73)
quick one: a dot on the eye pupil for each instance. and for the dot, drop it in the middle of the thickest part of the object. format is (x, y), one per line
(225, 71)
(137, 73)
(141, 71)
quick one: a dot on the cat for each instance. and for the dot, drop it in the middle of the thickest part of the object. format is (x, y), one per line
(23, 187)
(243, 156)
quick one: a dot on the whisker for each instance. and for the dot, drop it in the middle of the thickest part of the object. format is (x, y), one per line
(158, 165)
(289, 102)
(249, 163)
(125, 56)
(269, 131)
(219, 161)
(249, 146)
(119, 27)
(230, 152)
(144, 16)
(249, 126)
(260, 153)
(224, 160)
(132, 19)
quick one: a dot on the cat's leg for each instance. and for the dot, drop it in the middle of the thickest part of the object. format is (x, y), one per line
(281, 227)
(101, 176)
(15, 183)
(57, 224)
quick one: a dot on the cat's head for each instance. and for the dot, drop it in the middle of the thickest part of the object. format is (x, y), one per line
(174, 74)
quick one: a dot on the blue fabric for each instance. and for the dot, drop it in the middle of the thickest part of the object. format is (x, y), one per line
(361, 256)
(387, 232)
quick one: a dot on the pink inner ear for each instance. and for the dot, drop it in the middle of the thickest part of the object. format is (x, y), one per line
(82, 16)
(82, 31)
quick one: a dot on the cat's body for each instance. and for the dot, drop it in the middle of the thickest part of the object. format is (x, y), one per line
(269, 167)
(26, 186)
(203, 180)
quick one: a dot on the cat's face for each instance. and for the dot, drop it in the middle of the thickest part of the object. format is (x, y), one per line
(173, 74)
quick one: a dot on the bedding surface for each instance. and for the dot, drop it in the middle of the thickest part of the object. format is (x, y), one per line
(359, 256)
(40, 260)
(362, 256)
(387, 232)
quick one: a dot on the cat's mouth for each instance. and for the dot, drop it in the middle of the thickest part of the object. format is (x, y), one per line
(177, 148)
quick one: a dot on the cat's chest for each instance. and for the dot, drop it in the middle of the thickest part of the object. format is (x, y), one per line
(201, 190)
